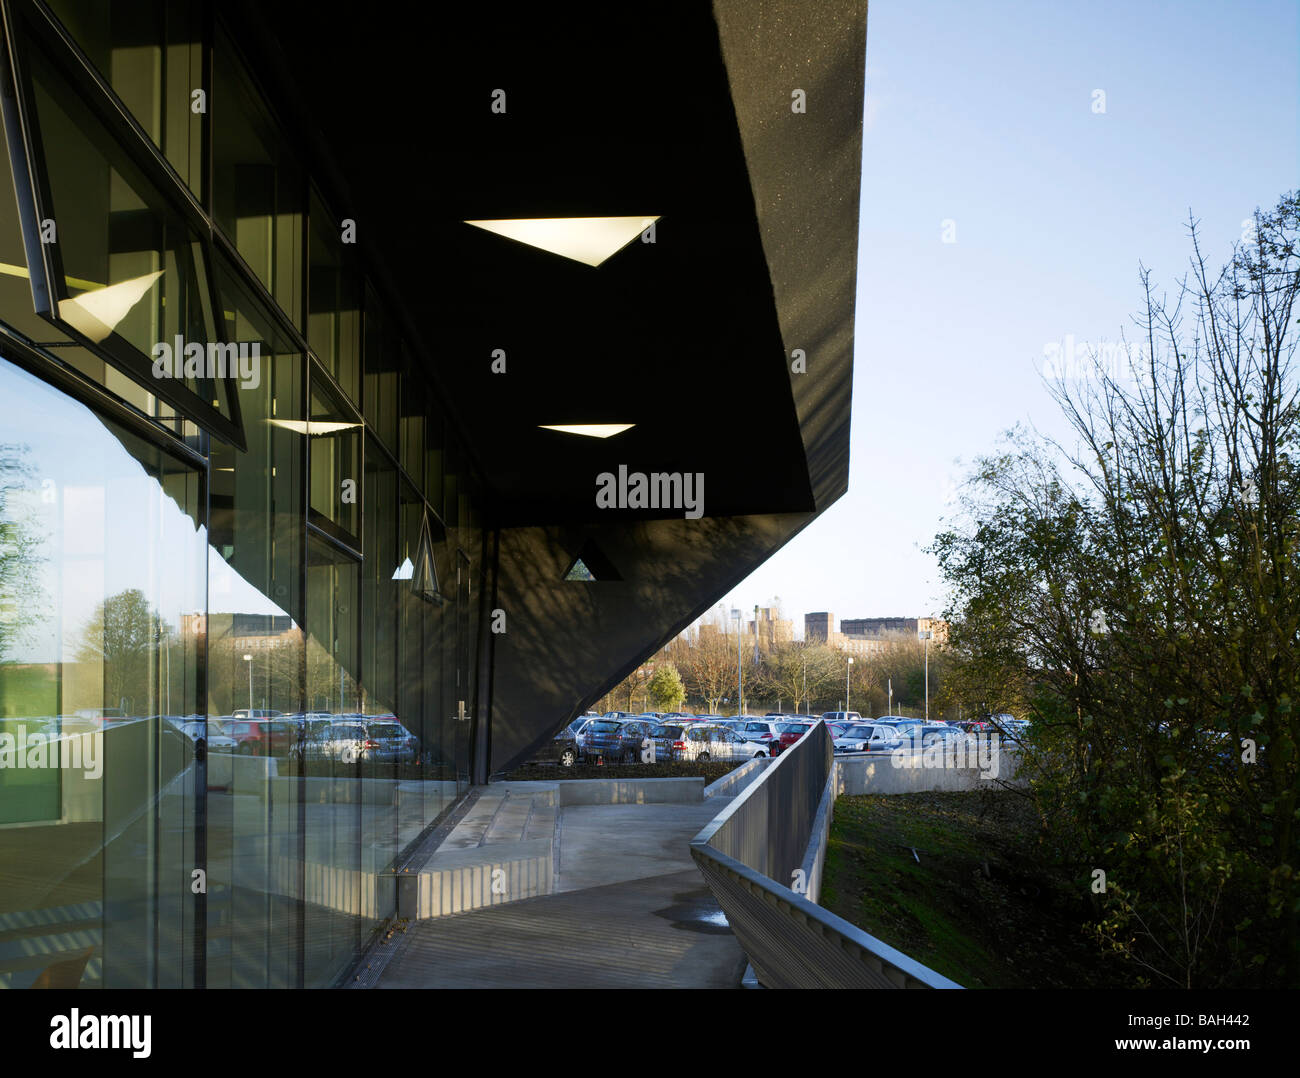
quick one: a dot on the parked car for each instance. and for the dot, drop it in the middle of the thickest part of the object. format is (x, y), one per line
(706, 741)
(761, 730)
(790, 733)
(343, 740)
(578, 729)
(909, 729)
(98, 718)
(388, 741)
(618, 741)
(941, 732)
(197, 730)
(867, 737)
(310, 733)
(737, 723)
(562, 749)
(667, 738)
(255, 713)
(262, 737)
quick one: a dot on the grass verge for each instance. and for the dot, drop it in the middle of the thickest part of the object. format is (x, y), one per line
(952, 880)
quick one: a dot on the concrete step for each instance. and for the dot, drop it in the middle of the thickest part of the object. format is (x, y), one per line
(502, 851)
(456, 881)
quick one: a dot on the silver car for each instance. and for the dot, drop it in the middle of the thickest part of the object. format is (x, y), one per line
(342, 739)
(867, 737)
(388, 741)
(709, 742)
(761, 730)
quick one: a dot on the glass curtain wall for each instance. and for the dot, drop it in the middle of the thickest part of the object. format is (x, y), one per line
(237, 620)
(103, 573)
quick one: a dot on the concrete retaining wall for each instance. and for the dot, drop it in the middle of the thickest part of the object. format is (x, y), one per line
(879, 774)
(474, 878)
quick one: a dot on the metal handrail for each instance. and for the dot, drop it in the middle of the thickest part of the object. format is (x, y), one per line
(791, 941)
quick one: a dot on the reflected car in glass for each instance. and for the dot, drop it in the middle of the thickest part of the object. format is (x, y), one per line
(261, 737)
(388, 741)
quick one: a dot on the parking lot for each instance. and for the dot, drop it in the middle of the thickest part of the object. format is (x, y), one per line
(684, 742)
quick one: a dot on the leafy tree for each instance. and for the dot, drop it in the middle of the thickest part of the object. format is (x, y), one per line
(126, 636)
(20, 545)
(1136, 595)
(666, 689)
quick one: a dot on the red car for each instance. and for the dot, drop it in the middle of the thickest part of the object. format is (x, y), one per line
(790, 733)
(261, 737)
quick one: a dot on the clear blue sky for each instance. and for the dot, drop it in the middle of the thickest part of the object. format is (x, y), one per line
(982, 114)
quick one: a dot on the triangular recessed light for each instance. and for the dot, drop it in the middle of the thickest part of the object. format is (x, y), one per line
(590, 240)
(97, 312)
(579, 571)
(590, 430)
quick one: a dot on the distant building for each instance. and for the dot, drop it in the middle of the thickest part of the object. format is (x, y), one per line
(819, 626)
(876, 628)
(771, 630)
(254, 632)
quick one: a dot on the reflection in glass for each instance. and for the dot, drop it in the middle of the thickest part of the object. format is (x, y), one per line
(334, 322)
(102, 571)
(151, 53)
(255, 610)
(335, 441)
(332, 851)
(258, 187)
(135, 274)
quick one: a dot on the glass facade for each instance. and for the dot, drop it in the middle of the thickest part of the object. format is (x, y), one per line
(238, 592)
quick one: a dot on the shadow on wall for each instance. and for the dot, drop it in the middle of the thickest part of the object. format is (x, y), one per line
(568, 642)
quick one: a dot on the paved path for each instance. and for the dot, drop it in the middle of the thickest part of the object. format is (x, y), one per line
(630, 911)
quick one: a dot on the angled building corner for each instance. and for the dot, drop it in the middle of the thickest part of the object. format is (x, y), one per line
(769, 425)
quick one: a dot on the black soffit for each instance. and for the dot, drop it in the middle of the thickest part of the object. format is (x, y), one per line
(624, 114)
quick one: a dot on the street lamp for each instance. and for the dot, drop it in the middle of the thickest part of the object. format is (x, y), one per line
(249, 659)
(740, 673)
(848, 673)
(926, 637)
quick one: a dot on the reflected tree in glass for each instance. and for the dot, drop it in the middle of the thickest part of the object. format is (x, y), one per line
(125, 634)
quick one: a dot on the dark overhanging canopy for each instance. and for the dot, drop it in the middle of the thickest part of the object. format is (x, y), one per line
(685, 112)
